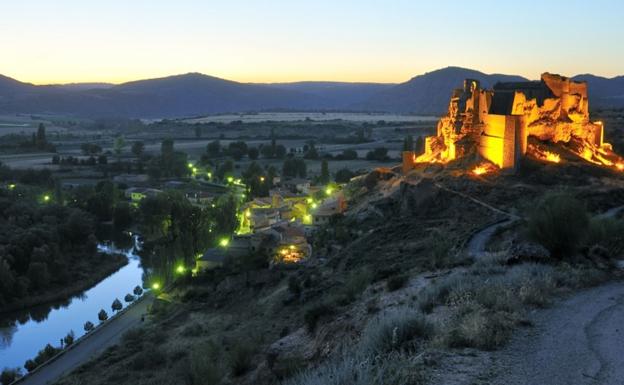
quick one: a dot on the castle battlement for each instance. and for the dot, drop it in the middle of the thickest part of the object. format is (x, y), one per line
(496, 123)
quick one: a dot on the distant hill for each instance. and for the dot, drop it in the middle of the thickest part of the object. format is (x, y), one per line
(196, 94)
(604, 92)
(429, 93)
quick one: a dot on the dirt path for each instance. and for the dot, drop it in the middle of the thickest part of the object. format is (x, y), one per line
(579, 341)
(94, 344)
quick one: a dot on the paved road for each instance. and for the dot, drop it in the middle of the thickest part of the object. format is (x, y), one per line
(577, 342)
(97, 342)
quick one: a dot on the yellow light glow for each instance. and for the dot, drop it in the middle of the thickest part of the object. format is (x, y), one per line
(190, 165)
(209, 175)
(224, 242)
(329, 191)
(11, 186)
(156, 286)
(314, 205)
(552, 157)
(194, 170)
(479, 170)
(230, 179)
(46, 198)
(292, 247)
(620, 166)
(261, 179)
(180, 269)
(248, 213)
(307, 219)
(310, 200)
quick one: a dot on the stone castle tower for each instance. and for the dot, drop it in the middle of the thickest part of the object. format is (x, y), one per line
(496, 123)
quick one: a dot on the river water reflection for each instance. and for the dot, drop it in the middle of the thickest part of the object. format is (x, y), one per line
(23, 334)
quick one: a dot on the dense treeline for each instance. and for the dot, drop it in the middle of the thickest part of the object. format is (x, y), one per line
(175, 231)
(40, 243)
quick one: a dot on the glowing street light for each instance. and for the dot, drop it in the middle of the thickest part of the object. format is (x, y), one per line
(209, 175)
(46, 198)
(261, 179)
(620, 166)
(314, 205)
(190, 165)
(230, 179)
(329, 190)
(180, 269)
(12, 186)
(155, 286)
(224, 242)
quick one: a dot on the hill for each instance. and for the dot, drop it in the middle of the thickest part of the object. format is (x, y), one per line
(429, 93)
(196, 94)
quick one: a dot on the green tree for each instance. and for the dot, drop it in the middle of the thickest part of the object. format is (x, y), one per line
(41, 140)
(408, 143)
(122, 216)
(324, 177)
(116, 306)
(419, 148)
(102, 315)
(253, 153)
(311, 152)
(344, 175)
(88, 326)
(237, 150)
(280, 151)
(138, 148)
(213, 149)
(256, 180)
(119, 145)
(69, 338)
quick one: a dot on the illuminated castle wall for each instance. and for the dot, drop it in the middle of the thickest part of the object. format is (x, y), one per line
(495, 124)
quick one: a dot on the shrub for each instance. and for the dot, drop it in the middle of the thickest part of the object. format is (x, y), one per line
(150, 357)
(559, 223)
(350, 367)
(397, 282)
(193, 330)
(205, 365)
(240, 359)
(9, 375)
(395, 330)
(480, 328)
(129, 298)
(607, 232)
(314, 313)
(356, 283)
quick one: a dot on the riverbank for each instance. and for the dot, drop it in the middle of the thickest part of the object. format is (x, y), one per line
(90, 273)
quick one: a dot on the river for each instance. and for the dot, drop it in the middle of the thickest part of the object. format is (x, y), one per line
(24, 333)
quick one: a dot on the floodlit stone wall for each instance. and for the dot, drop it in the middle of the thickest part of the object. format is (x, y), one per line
(497, 122)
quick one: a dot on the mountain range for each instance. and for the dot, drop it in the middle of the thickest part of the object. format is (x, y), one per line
(196, 94)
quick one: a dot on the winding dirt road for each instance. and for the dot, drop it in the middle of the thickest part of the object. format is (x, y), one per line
(577, 342)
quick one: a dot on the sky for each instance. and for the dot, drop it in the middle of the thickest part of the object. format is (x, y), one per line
(63, 41)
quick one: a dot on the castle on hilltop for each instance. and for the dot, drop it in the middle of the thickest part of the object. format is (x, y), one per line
(496, 123)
